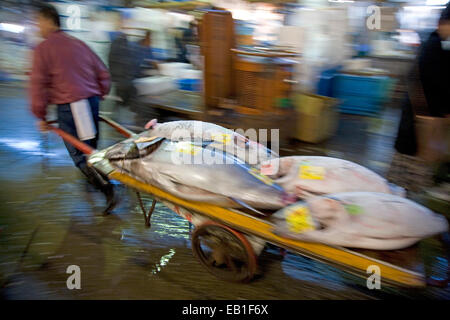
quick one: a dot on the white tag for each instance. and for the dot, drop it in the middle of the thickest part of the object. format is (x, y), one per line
(84, 122)
(268, 169)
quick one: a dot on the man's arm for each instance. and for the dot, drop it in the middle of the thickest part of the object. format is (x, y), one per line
(39, 81)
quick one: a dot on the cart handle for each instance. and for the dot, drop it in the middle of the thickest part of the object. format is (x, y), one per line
(121, 129)
(83, 147)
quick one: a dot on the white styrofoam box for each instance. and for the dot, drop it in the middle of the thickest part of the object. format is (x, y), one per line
(154, 85)
(291, 36)
(356, 64)
(315, 3)
(194, 55)
(329, 21)
(383, 47)
(173, 69)
(191, 74)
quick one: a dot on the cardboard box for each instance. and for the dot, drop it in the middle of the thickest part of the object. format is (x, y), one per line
(317, 117)
(154, 85)
(433, 138)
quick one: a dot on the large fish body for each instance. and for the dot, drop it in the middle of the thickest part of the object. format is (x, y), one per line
(174, 130)
(366, 220)
(193, 172)
(306, 176)
(227, 140)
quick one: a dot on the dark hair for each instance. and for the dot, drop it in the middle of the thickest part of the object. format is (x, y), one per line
(445, 15)
(49, 12)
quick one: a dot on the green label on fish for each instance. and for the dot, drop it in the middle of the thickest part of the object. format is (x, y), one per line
(353, 209)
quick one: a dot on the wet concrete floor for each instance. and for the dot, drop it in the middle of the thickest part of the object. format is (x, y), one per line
(50, 218)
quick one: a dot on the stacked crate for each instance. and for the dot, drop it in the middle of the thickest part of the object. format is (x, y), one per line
(260, 82)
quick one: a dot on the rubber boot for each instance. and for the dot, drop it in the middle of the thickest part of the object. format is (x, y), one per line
(101, 183)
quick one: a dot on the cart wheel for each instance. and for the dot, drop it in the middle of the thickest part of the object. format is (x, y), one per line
(224, 252)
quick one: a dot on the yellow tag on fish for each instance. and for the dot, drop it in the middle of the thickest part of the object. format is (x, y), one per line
(224, 138)
(254, 172)
(299, 220)
(187, 147)
(311, 172)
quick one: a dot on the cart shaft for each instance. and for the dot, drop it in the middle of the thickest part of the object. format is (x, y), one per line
(83, 147)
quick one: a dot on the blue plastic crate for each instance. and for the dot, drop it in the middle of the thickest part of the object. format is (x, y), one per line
(361, 94)
(189, 84)
(159, 53)
(325, 84)
(368, 109)
(375, 86)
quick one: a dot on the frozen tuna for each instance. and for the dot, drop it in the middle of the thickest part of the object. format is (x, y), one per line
(194, 172)
(305, 176)
(359, 220)
(224, 139)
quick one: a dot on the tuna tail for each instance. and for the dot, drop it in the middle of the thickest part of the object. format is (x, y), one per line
(397, 190)
(151, 123)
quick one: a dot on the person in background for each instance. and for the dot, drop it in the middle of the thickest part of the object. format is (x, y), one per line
(122, 64)
(66, 72)
(432, 73)
(183, 39)
(145, 60)
(146, 42)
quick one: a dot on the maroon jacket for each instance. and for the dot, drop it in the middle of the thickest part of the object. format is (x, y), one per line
(65, 70)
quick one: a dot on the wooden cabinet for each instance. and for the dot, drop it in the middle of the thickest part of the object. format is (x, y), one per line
(217, 40)
(260, 81)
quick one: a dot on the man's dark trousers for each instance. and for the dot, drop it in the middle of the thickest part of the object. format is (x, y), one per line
(67, 124)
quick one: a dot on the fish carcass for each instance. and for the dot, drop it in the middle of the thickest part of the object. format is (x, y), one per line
(366, 220)
(224, 139)
(305, 176)
(197, 173)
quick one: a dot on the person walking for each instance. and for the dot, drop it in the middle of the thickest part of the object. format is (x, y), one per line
(428, 95)
(66, 72)
(123, 66)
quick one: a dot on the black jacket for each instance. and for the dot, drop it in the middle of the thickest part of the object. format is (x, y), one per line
(434, 76)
